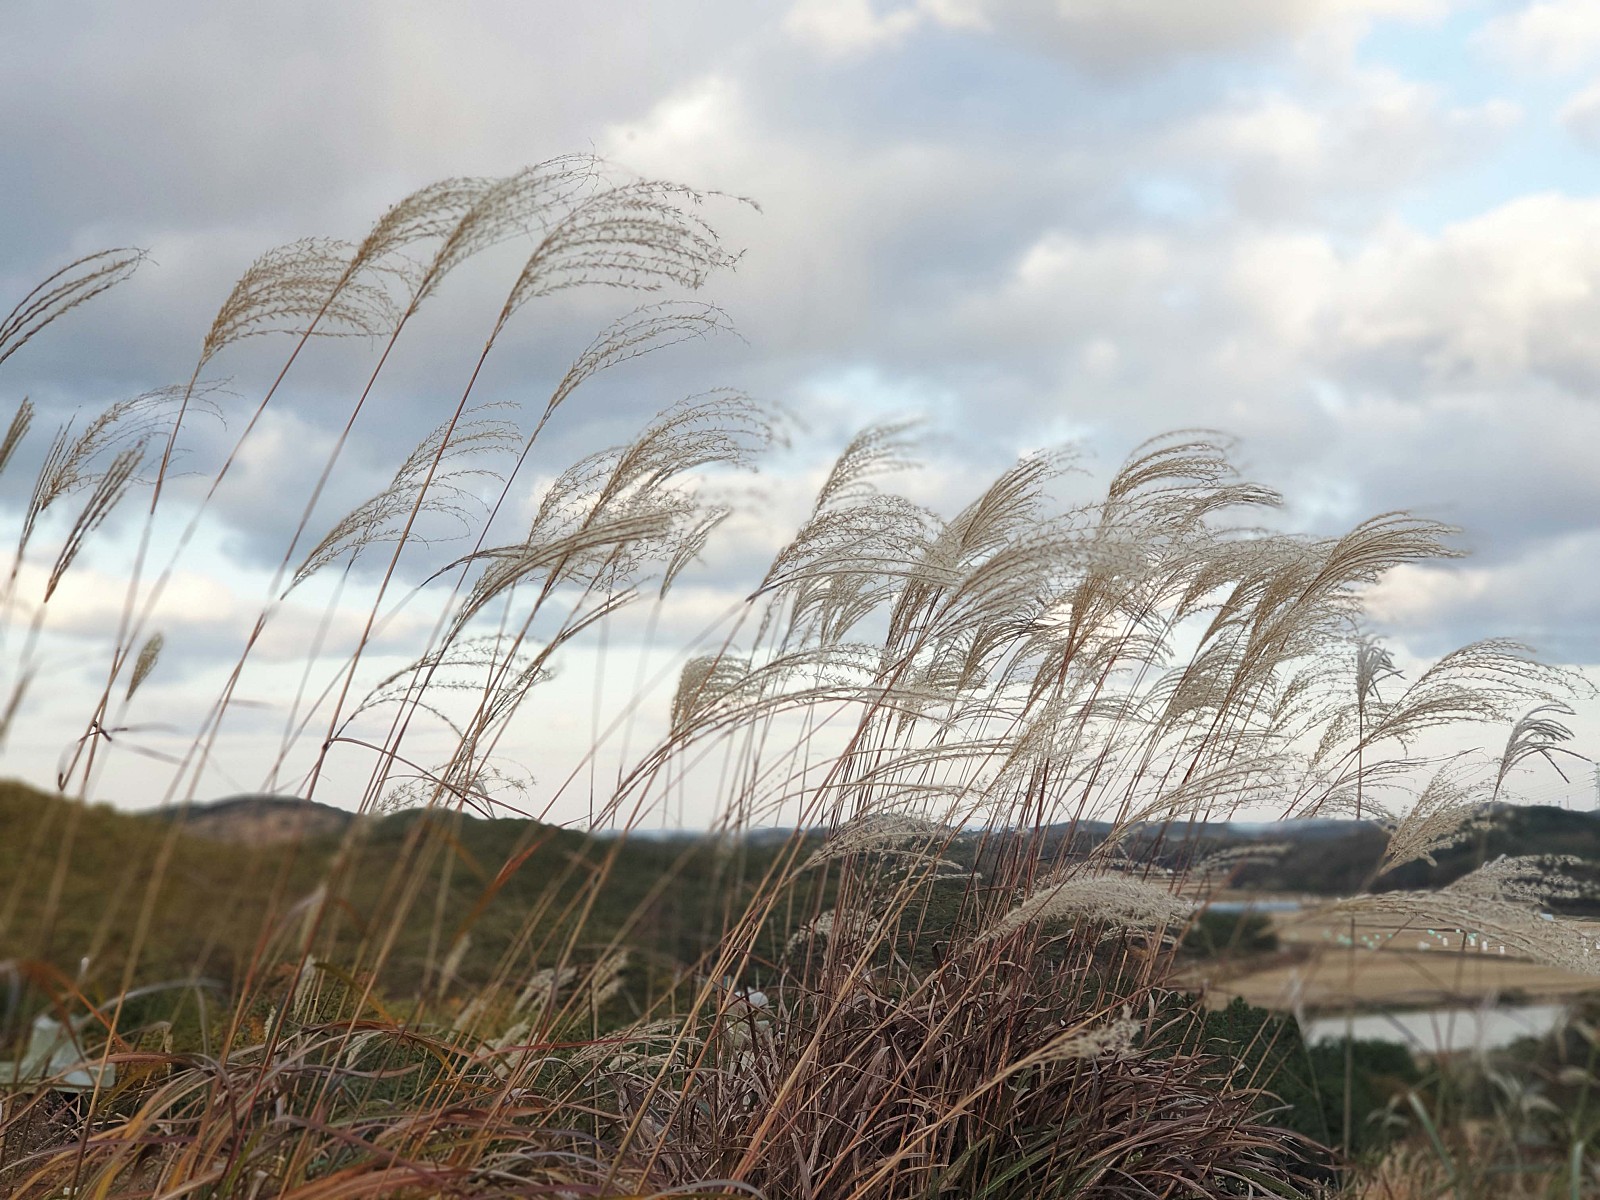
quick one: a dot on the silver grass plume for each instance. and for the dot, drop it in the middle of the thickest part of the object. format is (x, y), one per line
(109, 488)
(878, 831)
(643, 331)
(1316, 594)
(1186, 472)
(857, 925)
(1116, 899)
(1488, 680)
(1223, 864)
(1009, 509)
(491, 211)
(1110, 1039)
(330, 288)
(692, 539)
(64, 290)
(703, 682)
(428, 214)
(858, 545)
(644, 1045)
(492, 668)
(74, 462)
(302, 288)
(1221, 789)
(21, 420)
(1537, 734)
(615, 514)
(723, 691)
(599, 551)
(435, 463)
(1448, 811)
(145, 662)
(640, 236)
(1501, 901)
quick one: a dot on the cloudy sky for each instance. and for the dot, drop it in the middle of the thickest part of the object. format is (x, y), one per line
(1361, 235)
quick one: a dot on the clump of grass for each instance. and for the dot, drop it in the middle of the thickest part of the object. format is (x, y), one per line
(869, 1017)
(1519, 1123)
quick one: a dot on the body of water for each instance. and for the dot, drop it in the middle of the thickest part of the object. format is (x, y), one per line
(1254, 906)
(1442, 1030)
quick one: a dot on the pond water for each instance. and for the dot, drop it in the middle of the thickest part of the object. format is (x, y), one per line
(1253, 906)
(1442, 1030)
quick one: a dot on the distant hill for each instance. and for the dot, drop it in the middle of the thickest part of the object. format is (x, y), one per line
(260, 820)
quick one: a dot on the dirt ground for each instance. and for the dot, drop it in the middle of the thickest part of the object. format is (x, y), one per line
(1320, 966)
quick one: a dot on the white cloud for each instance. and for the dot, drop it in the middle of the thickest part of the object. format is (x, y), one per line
(1282, 281)
(844, 27)
(1540, 597)
(1291, 156)
(207, 616)
(1116, 35)
(1551, 35)
(1102, 36)
(1489, 301)
(1580, 115)
(1509, 295)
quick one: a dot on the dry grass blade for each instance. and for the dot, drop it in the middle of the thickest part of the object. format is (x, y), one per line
(8, 714)
(76, 283)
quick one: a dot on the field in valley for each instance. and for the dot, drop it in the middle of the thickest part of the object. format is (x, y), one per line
(1388, 964)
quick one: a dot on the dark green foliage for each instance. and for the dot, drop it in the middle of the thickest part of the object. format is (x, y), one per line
(1380, 1074)
(216, 899)
(1216, 934)
(1335, 866)
(209, 904)
(1306, 1082)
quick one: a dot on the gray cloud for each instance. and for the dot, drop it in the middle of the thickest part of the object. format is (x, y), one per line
(1110, 38)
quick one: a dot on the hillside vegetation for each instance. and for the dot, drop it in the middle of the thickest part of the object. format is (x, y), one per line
(221, 891)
